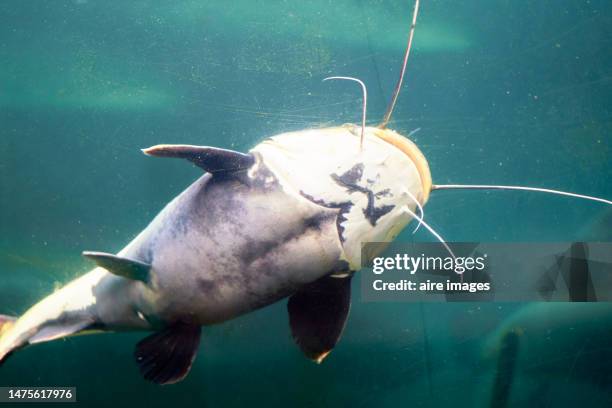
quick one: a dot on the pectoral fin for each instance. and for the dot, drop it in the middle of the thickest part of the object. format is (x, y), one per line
(167, 356)
(317, 315)
(210, 159)
(125, 267)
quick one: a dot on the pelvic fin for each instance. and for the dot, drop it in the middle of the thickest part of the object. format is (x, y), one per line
(124, 267)
(317, 315)
(166, 357)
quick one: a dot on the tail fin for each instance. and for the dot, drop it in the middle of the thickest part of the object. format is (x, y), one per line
(6, 322)
(58, 315)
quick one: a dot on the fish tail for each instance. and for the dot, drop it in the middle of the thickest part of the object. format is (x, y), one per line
(6, 324)
(51, 318)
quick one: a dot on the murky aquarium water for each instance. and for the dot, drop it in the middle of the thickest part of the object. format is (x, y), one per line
(513, 93)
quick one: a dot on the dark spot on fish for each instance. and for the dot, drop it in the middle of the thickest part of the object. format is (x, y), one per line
(257, 250)
(372, 213)
(344, 208)
(384, 193)
(206, 285)
(145, 254)
(227, 205)
(315, 222)
(322, 203)
(149, 255)
(353, 175)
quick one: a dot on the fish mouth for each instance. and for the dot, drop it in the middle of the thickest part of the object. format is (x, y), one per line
(413, 152)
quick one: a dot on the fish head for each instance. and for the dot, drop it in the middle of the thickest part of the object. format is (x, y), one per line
(377, 186)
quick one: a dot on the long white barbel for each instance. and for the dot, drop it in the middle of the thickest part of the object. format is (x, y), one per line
(431, 230)
(365, 103)
(419, 206)
(519, 188)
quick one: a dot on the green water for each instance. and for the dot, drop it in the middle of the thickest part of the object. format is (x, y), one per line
(504, 92)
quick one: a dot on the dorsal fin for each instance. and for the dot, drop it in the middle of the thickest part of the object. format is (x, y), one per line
(210, 159)
(125, 267)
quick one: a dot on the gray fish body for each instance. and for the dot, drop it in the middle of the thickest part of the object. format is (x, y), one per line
(285, 220)
(222, 248)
